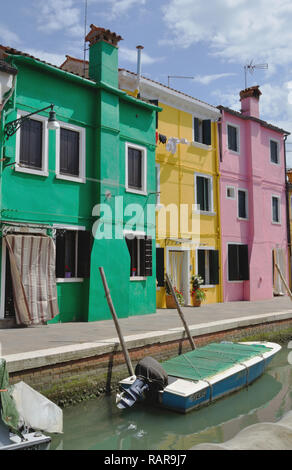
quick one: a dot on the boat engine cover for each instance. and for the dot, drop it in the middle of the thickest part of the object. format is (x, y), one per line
(152, 372)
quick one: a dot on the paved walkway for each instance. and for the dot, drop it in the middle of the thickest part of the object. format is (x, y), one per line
(234, 314)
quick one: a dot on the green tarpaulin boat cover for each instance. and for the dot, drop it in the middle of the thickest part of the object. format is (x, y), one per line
(207, 361)
(9, 412)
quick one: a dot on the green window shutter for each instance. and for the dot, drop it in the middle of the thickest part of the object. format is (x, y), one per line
(207, 132)
(233, 264)
(203, 198)
(60, 254)
(214, 266)
(201, 264)
(196, 129)
(160, 267)
(84, 254)
(243, 262)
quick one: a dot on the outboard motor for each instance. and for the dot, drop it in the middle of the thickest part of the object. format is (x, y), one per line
(150, 378)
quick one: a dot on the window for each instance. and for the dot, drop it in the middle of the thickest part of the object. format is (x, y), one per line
(208, 266)
(70, 154)
(274, 151)
(204, 193)
(136, 171)
(140, 249)
(233, 138)
(202, 131)
(242, 204)
(72, 254)
(31, 145)
(230, 192)
(238, 265)
(276, 209)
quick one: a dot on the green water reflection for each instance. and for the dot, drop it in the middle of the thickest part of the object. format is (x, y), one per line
(98, 424)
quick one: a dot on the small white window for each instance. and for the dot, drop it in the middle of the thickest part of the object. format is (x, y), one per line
(233, 138)
(230, 192)
(136, 169)
(274, 152)
(202, 131)
(276, 216)
(242, 204)
(204, 193)
(70, 153)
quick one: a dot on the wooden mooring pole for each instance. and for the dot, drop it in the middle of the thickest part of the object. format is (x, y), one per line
(283, 280)
(193, 346)
(116, 321)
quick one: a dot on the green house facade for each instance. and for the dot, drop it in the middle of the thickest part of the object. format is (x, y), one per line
(88, 188)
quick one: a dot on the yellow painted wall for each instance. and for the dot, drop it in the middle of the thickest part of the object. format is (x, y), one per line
(177, 186)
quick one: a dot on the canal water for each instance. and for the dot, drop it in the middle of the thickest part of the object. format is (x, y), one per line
(99, 425)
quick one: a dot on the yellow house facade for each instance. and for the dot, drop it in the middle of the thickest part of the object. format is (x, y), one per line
(187, 201)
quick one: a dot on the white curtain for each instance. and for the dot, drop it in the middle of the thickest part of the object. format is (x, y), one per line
(32, 261)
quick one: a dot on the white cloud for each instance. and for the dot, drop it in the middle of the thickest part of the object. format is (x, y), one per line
(7, 37)
(235, 30)
(207, 79)
(51, 58)
(60, 15)
(119, 7)
(130, 55)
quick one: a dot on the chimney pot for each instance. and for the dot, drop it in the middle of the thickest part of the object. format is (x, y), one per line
(250, 101)
(101, 34)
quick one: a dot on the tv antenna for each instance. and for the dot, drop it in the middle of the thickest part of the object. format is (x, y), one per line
(251, 68)
(85, 31)
(176, 76)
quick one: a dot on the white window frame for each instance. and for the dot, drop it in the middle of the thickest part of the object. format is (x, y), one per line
(244, 190)
(142, 191)
(207, 263)
(278, 151)
(199, 143)
(233, 198)
(138, 234)
(197, 210)
(73, 228)
(22, 169)
(82, 153)
(237, 127)
(279, 207)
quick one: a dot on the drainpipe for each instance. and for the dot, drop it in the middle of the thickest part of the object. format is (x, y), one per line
(218, 153)
(287, 210)
(139, 53)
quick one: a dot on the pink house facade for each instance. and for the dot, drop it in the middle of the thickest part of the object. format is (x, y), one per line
(253, 202)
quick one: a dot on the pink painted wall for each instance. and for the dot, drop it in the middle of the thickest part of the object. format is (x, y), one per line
(252, 169)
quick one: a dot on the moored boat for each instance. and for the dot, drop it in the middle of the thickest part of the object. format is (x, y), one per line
(198, 377)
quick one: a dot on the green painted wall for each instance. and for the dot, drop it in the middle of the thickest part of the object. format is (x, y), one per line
(111, 119)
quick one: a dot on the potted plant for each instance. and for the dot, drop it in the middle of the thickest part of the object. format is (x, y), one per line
(198, 294)
(170, 302)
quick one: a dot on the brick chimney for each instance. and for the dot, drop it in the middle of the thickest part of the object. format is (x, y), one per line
(103, 55)
(250, 101)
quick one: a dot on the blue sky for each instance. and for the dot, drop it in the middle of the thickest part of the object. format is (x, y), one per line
(208, 40)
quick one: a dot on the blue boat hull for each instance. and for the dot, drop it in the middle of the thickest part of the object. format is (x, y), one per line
(220, 389)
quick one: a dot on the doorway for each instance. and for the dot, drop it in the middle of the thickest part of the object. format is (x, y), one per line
(7, 303)
(178, 270)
